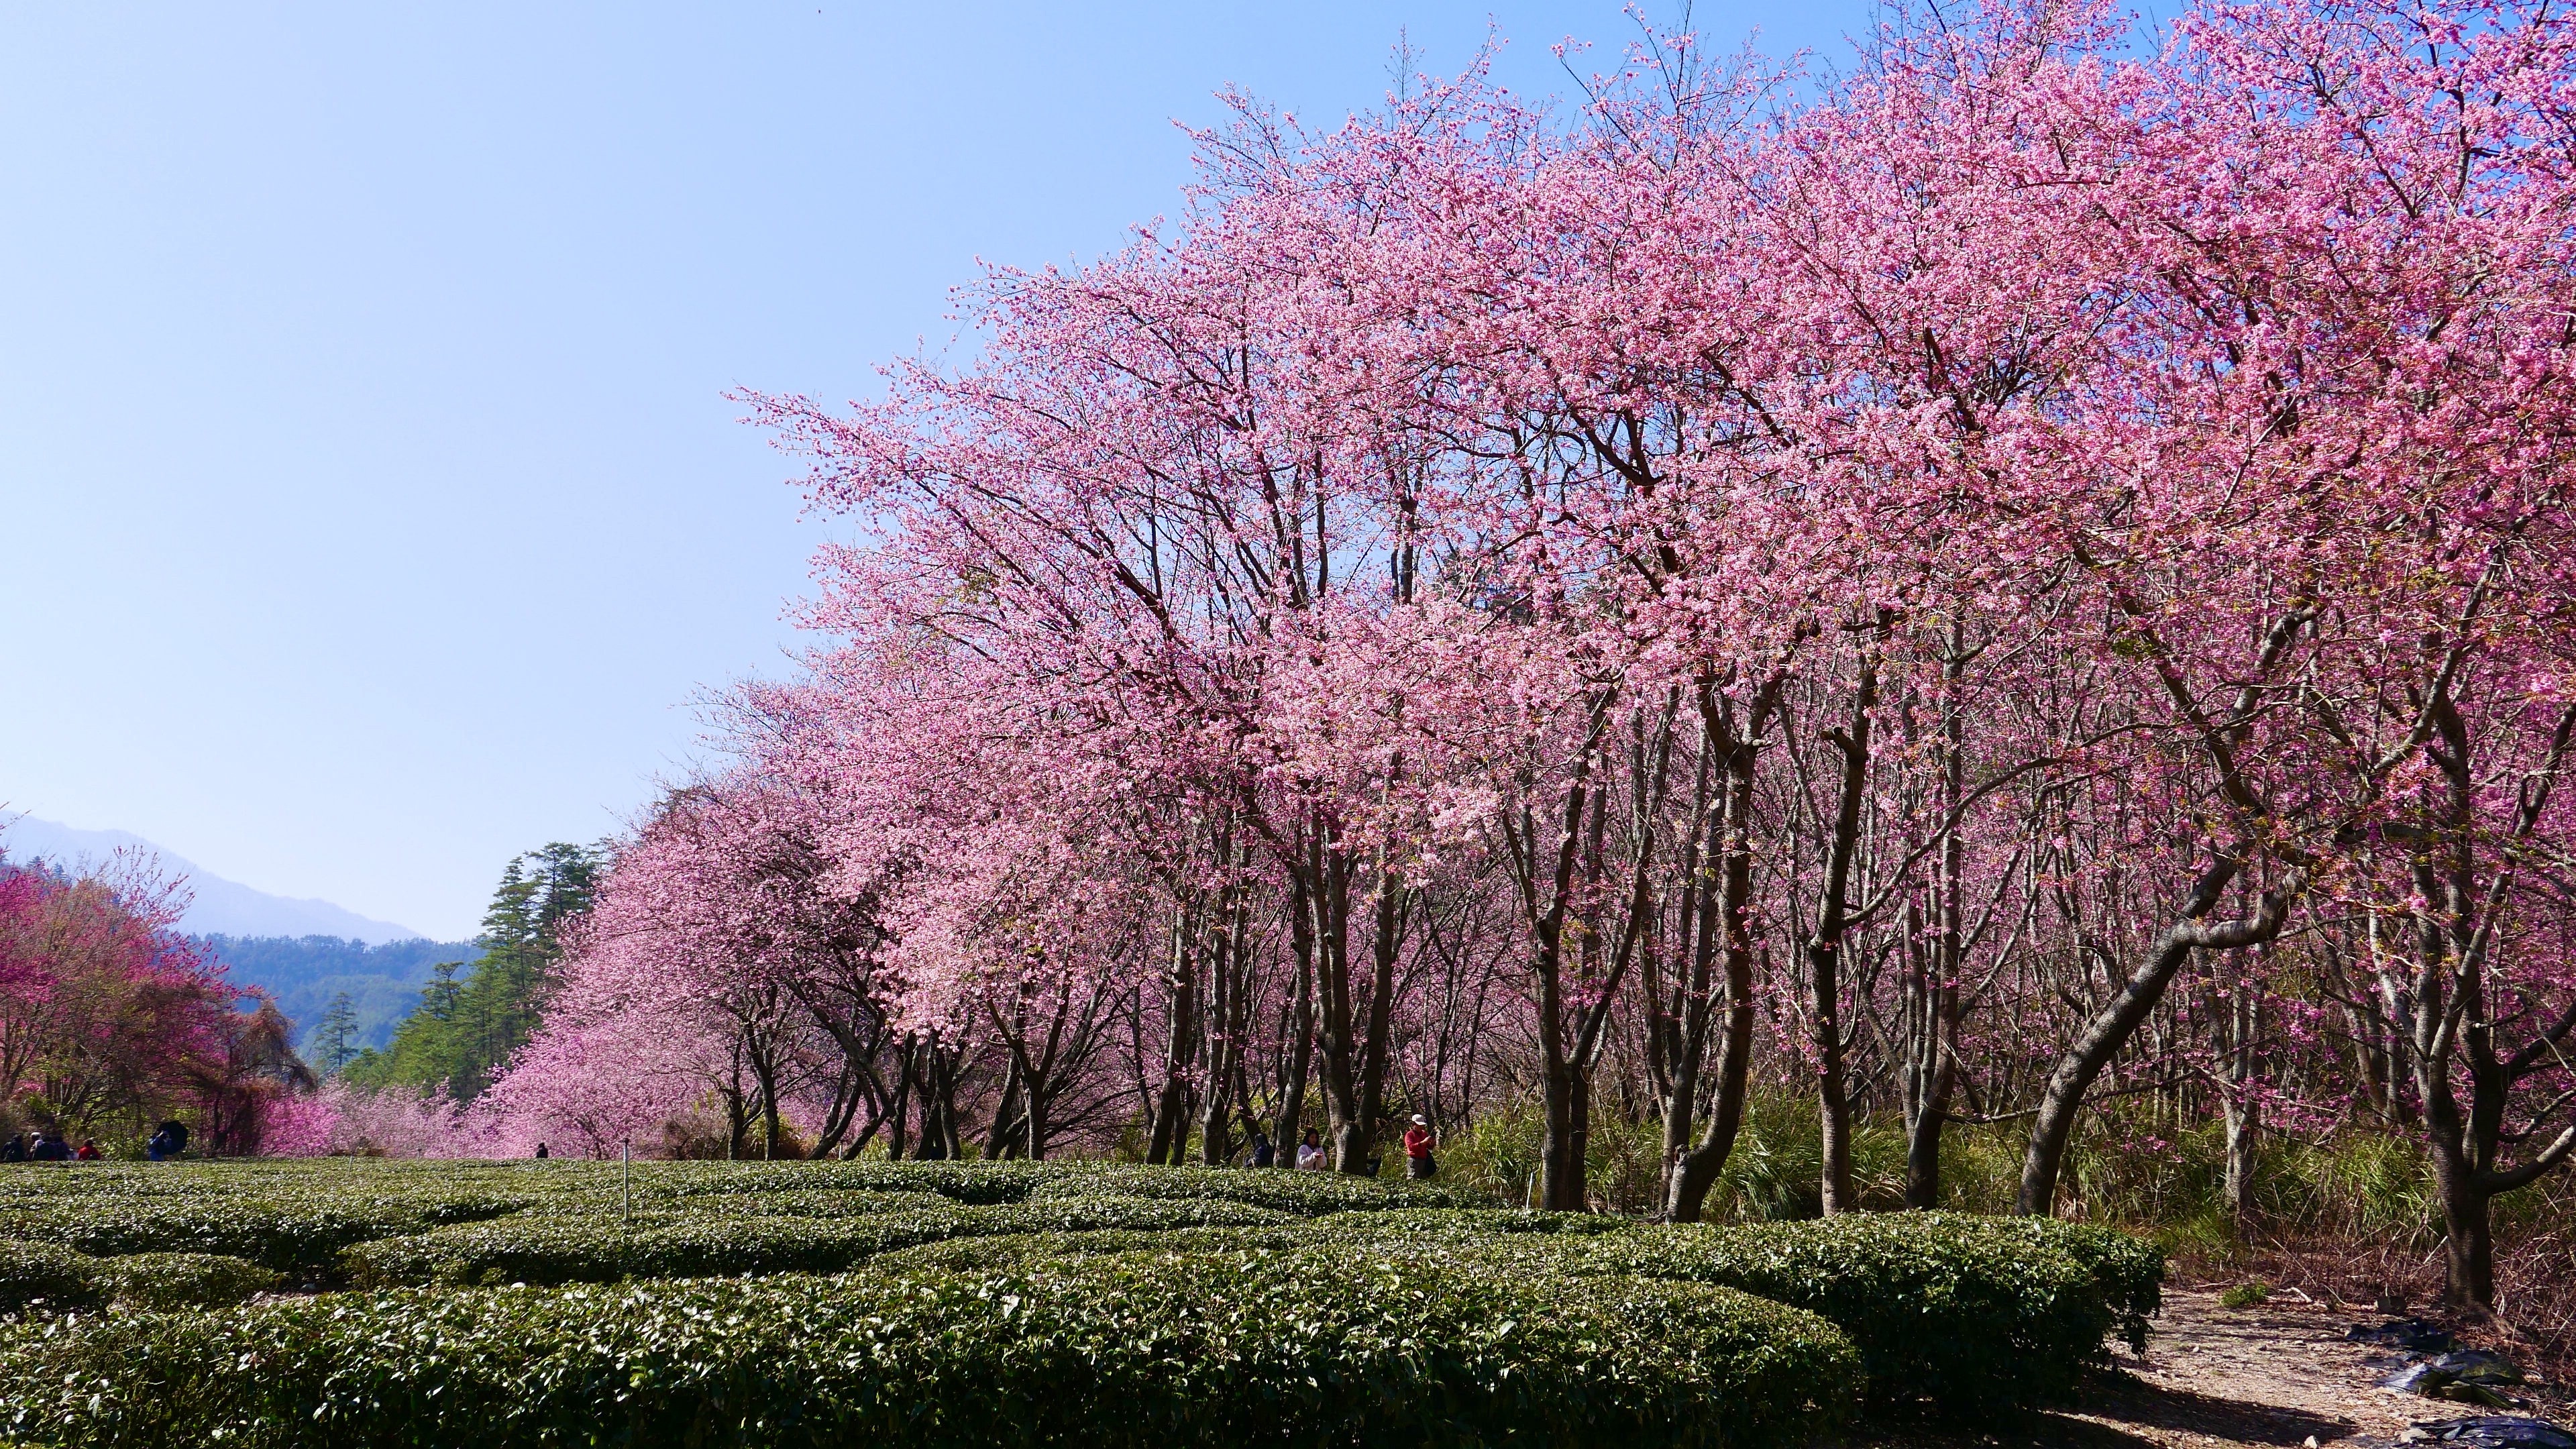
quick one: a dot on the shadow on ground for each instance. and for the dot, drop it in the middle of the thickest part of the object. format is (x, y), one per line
(2115, 1412)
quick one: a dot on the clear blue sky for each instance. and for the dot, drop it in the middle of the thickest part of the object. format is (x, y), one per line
(369, 506)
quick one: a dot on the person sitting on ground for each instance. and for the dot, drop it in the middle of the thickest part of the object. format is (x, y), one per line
(88, 1150)
(13, 1150)
(542, 1153)
(1263, 1154)
(1310, 1153)
(50, 1147)
(1417, 1149)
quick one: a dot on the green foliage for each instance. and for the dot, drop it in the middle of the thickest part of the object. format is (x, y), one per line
(45, 1278)
(604, 1249)
(1308, 1194)
(968, 1182)
(335, 1037)
(2245, 1295)
(1963, 1314)
(1019, 1250)
(1339, 1348)
(119, 1211)
(183, 1280)
(1497, 1160)
(1771, 1176)
(2128, 1271)
(294, 1237)
(464, 1029)
(1381, 1231)
(308, 974)
(1960, 1312)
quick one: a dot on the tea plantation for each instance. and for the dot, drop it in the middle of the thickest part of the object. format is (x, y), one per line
(496, 1305)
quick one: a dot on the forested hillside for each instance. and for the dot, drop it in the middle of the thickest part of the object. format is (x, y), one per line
(307, 975)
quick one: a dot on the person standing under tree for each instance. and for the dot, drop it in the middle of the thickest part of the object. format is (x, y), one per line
(1417, 1149)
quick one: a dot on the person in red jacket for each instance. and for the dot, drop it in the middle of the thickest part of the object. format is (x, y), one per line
(1417, 1149)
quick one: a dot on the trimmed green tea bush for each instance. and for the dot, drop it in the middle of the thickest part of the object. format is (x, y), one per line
(1020, 1250)
(1466, 1223)
(292, 1236)
(1309, 1194)
(1382, 1231)
(599, 1249)
(2128, 1271)
(1312, 1348)
(44, 1278)
(1943, 1308)
(979, 1183)
(182, 1280)
(799, 1203)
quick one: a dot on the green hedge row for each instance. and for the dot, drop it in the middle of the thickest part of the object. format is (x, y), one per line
(46, 1278)
(292, 1238)
(1944, 1308)
(1330, 1348)
(2128, 1272)
(1307, 1194)
(41, 1279)
(1373, 1229)
(167, 1281)
(1962, 1315)
(601, 1249)
(981, 1183)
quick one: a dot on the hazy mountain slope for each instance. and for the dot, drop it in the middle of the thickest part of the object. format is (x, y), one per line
(221, 907)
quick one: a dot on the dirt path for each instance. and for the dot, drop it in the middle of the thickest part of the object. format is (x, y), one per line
(2216, 1378)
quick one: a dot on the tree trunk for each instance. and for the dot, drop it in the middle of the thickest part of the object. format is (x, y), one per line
(1171, 1110)
(1033, 1122)
(2063, 1098)
(2241, 1111)
(1224, 1045)
(998, 1137)
(1335, 1011)
(1931, 1101)
(1825, 948)
(1298, 1048)
(1933, 991)
(2468, 1236)
(1386, 946)
(1688, 1195)
(896, 1139)
(1561, 1148)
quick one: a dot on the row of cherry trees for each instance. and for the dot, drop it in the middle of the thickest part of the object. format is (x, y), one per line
(2039, 572)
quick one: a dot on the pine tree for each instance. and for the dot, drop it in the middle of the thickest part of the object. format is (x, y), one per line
(464, 1031)
(335, 1037)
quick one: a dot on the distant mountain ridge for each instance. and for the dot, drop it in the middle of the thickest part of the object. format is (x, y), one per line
(221, 907)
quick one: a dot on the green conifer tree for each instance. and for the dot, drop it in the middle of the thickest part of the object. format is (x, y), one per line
(464, 1030)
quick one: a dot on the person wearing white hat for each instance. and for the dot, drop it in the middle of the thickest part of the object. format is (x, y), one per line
(1417, 1149)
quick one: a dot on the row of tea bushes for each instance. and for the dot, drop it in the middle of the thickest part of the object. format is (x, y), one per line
(302, 1223)
(1943, 1307)
(304, 1237)
(1317, 1346)
(1306, 1194)
(602, 1249)
(42, 1279)
(1962, 1313)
